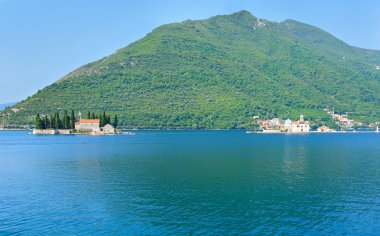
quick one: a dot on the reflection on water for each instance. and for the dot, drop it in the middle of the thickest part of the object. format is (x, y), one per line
(190, 182)
(294, 159)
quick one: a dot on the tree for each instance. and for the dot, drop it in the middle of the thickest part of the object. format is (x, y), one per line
(65, 120)
(68, 126)
(46, 122)
(72, 120)
(88, 115)
(115, 121)
(108, 120)
(37, 121)
(103, 118)
(57, 121)
(51, 121)
(93, 116)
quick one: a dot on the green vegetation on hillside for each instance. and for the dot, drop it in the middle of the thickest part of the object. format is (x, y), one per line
(218, 73)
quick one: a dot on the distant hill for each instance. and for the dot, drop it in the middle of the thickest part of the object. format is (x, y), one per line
(3, 106)
(218, 73)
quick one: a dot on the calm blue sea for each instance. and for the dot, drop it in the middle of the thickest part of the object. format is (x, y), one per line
(190, 183)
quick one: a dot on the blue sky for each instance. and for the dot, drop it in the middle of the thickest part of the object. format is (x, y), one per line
(43, 40)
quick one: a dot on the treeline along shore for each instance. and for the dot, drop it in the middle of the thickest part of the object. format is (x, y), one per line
(92, 124)
(53, 121)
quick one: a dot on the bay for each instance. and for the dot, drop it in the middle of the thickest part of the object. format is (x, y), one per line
(189, 182)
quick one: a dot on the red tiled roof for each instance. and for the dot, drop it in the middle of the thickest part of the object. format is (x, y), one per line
(89, 121)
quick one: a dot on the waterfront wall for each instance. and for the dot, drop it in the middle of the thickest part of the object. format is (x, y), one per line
(51, 131)
(44, 131)
(63, 131)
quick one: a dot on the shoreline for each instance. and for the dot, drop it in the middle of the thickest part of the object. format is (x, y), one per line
(127, 131)
(316, 132)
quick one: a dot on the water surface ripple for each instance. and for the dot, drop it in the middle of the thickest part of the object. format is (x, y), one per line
(190, 182)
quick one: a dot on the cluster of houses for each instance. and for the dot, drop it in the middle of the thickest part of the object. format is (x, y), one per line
(277, 125)
(343, 120)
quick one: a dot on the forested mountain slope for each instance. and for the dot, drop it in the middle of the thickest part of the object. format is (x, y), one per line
(218, 73)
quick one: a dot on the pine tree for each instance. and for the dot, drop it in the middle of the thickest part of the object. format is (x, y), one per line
(93, 116)
(108, 120)
(101, 120)
(115, 121)
(68, 126)
(57, 121)
(37, 121)
(46, 122)
(51, 122)
(88, 115)
(66, 120)
(72, 120)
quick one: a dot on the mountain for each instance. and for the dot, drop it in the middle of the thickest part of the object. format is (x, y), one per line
(3, 106)
(218, 73)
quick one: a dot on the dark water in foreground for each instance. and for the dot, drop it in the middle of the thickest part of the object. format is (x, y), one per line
(190, 182)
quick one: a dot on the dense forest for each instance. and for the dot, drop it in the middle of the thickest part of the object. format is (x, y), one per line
(217, 74)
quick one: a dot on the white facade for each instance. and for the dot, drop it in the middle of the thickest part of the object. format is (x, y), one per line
(88, 124)
(288, 124)
(300, 128)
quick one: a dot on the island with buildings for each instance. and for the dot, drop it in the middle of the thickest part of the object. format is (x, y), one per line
(102, 124)
(93, 125)
(277, 125)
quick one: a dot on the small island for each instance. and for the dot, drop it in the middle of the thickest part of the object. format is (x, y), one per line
(92, 125)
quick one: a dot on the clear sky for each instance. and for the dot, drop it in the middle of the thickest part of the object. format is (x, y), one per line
(43, 40)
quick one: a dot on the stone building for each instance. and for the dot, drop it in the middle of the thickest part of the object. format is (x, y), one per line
(108, 129)
(91, 125)
(323, 129)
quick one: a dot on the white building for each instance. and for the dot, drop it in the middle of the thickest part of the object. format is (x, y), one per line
(300, 126)
(288, 124)
(91, 125)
